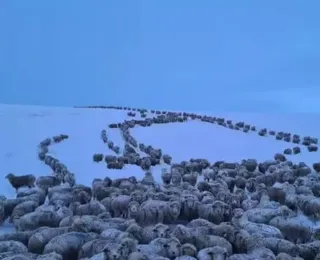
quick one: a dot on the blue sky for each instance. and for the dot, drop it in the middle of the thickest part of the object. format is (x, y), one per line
(174, 54)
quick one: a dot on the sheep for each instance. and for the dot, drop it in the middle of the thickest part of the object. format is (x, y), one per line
(46, 182)
(22, 209)
(137, 256)
(69, 178)
(61, 199)
(91, 208)
(190, 178)
(216, 212)
(21, 181)
(146, 234)
(166, 176)
(12, 246)
(36, 219)
(165, 247)
(119, 205)
(240, 220)
(155, 211)
(192, 235)
(189, 207)
(68, 244)
(36, 194)
(50, 256)
(167, 159)
(188, 249)
(119, 251)
(216, 252)
(92, 248)
(148, 179)
(40, 238)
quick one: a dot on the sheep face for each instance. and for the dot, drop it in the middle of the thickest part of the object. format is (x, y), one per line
(161, 230)
(137, 196)
(172, 248)
(188, 250)
(112, 254)
(9, 176)
(133, 208)
(174, 209)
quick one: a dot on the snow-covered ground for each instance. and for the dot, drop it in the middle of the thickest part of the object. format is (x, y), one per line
(23, 127)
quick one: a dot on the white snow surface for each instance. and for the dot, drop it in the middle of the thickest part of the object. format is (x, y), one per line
(23, 127)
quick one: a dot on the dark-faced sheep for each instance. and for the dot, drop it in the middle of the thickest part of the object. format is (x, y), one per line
(21, 181)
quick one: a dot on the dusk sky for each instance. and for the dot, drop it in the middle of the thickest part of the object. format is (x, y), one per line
(178, 54)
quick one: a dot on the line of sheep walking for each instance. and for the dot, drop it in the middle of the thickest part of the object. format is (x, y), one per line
(307, 141)
(240, 210)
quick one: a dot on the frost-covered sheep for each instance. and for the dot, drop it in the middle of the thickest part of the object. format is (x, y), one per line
(137, 256)
(60, 199)
(189, 249)
(110, 158)
(209, 174)
(216, 212)
(146, 234)
(166, 176)
(100, 189)
(92, 248)
(216, 252)
(46, 142)
(119, 205)
(21, 181)
(148, 179)
(189, 207)
(91, 208)
(68, 244)
(70, 178)
(97, 157)
(119, 251)
(156, 211)
(36, 219)
(191, 178)
(40, 238)
(167, 158)
(192, 235)
(46, 182)
(50, 256)
(12, 246)
(22, 209)
(165, 247)
(240, 220)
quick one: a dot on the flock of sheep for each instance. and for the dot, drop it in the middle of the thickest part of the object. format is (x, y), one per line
(202, 210)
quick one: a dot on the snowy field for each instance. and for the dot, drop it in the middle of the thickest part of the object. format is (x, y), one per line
(23, 127)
